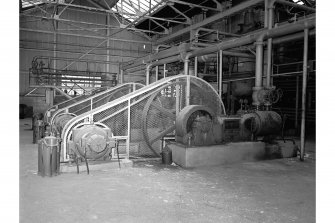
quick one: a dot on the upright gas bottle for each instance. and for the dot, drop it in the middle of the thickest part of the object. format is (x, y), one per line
(48, 156)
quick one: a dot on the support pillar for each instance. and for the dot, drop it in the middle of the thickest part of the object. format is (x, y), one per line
(303, 98)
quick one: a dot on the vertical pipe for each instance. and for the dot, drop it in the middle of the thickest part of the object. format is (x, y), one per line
(269, 50)
(128, 139)
(147, 80)
(296, 103)
(220, 74)
(259, 63)
(177, 98)
(217, 69)
(186, 66)
(266, 6)
(188, 90)
(229, 86)
(121, 77)
(303, 98)
(108, 45)
(196, 66)
(164, 74)
(156, 73)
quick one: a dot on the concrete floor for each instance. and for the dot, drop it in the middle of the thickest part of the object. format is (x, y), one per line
(266, 191)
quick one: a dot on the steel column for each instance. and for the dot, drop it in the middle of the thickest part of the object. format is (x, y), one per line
(220, 74)
(296, 103)
(303, 97)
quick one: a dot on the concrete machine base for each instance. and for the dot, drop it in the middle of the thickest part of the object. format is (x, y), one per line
(93, 166)
(230, 153)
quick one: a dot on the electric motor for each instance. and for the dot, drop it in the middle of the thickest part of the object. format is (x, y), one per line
(92, 141)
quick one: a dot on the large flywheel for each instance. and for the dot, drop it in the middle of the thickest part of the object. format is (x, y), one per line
(160, 110)
(159, 113)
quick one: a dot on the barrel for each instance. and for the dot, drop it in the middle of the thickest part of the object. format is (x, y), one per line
(48, 156)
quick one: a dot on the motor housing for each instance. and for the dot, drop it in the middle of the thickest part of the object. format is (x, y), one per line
(92, 141)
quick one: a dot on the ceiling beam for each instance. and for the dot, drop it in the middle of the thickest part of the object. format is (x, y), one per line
(182, 14)
(194, 5)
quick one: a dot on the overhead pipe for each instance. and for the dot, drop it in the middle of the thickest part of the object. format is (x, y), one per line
(157, 56)
(292, 37)
(160, 46)
(303, 98)
(257, 36)
(160, 62)
(248, 39)
(196, 33)
(208, 57)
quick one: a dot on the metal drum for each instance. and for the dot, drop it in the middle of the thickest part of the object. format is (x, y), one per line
(48, 156)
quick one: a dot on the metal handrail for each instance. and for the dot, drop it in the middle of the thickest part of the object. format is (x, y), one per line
(91, 99)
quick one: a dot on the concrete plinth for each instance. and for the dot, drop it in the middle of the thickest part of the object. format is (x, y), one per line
(229, 153)
(93, 166)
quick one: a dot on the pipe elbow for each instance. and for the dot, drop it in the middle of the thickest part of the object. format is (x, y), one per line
(148, 66)
(188, 55)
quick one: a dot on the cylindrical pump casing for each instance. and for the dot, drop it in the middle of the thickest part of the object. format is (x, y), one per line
(61, 120)
(48, 156)
(262, 123)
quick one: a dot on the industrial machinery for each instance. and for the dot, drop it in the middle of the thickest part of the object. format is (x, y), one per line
(141, 119)
(182, 106)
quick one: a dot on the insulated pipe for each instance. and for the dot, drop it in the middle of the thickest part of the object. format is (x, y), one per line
(291, 37)
(248, 39)
(220, 74)
(121, 77)
(214, 30)
(227, 53)
(303, 98)
(160, 62)
(186, 64)
(259, 63)
(266, 18)
(196, 66)
(159, 46)
(173, 51)
(269, 48)
(164, 71)
(147, 79)
(156, 73)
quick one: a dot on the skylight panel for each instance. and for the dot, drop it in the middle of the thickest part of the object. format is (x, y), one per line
(132, 8)
(27, 3)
